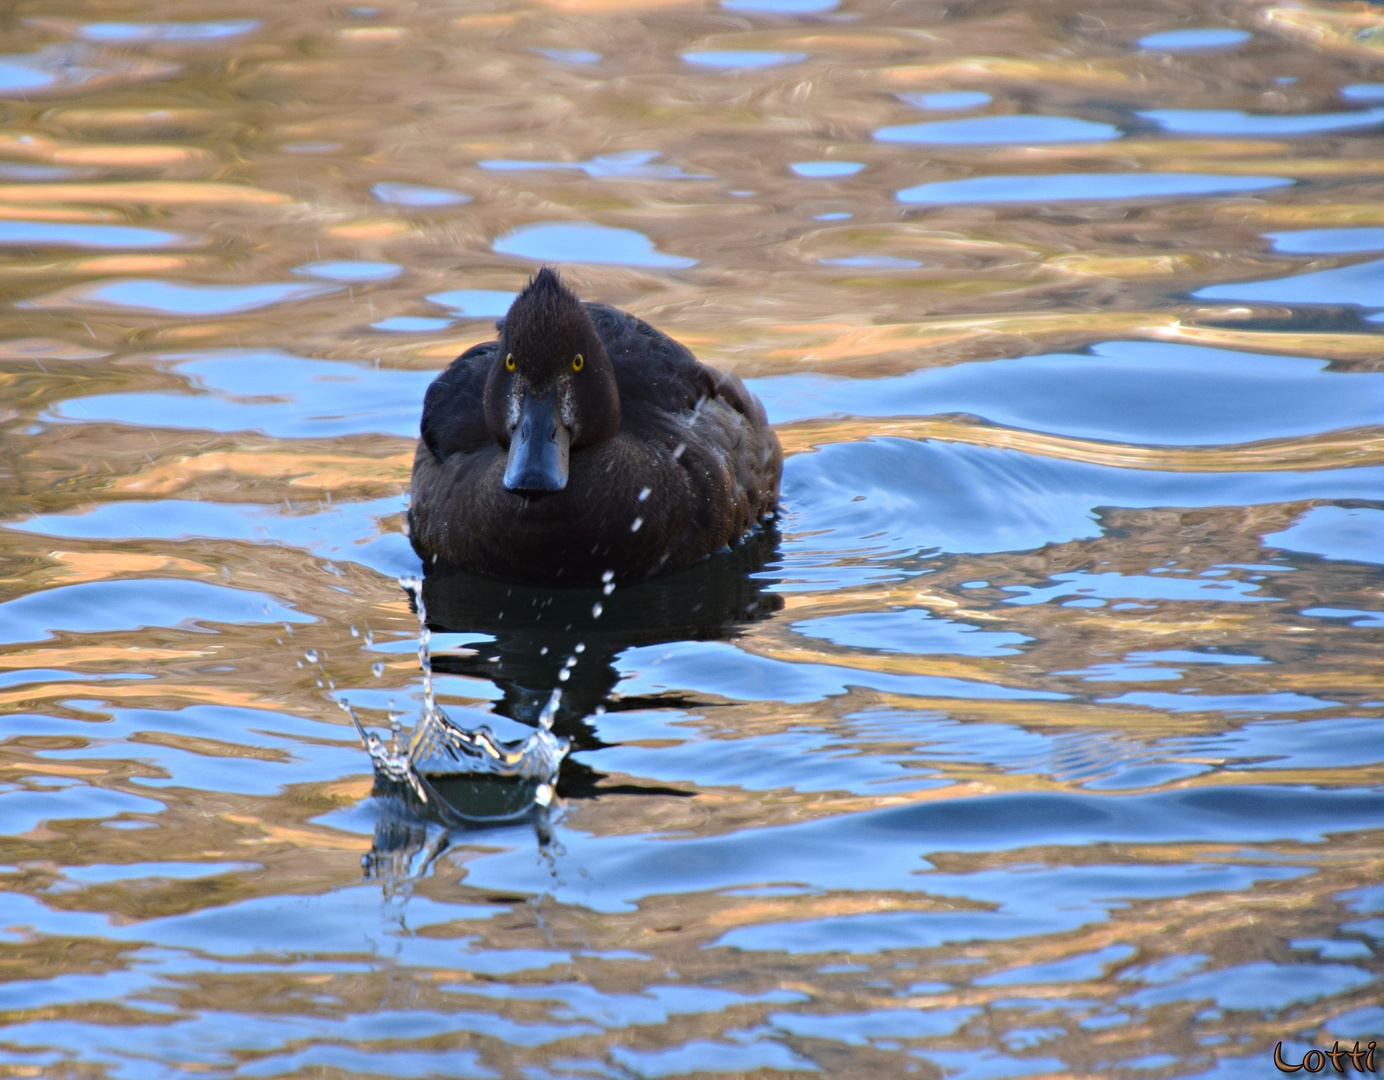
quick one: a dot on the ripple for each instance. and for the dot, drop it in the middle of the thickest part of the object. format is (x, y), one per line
(915, 632)
(1127, 392)
(104, 606)
(1084, 186)
(887, 501)
(263, 390)
(578, 242)
(996, 130)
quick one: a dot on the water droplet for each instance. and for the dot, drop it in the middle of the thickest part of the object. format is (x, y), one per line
(355, 632)
(226, 572)
(636, 524)
(645, 493)
(581, 647)
(300, 663)
(310, 656)
(378, 668)
(608, 576)
(596, 610)
(679, 450)
(608, 588)
(369, 637)
(543, 651)
(563, 675)
(543, 794)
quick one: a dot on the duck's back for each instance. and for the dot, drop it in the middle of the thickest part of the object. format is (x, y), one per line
(693, 468)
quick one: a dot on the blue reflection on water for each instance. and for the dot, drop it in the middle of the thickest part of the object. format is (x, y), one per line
(628, 164)
(1235, 122)
(1195, 38)
(410, 324)
(570, 56)
(19, 73)
(947, 99)
(826, 168)
(347, 531)
(180, 298)
(782, 7)
(741, 58)
(82, 235)
(916, 632)
(389, 191)
(1092, 185)
(166, 31)
(1262, 986)
(886, 501)
(262, 390)
(352, 270)
(1363, 91)
(98, 606)
(475, 303)
(1361, 284)
(1355, 534)
(1329, 241)
(1124, 391)
(980, 130)
(579, 242)
(878, 262)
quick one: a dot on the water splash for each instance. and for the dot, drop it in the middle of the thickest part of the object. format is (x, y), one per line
(472, 766)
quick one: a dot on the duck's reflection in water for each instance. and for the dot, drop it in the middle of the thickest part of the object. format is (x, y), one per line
(569, 639)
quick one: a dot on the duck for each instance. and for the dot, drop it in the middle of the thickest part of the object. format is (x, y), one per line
(584, 447)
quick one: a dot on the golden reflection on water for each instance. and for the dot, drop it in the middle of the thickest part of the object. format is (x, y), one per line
(260, 152)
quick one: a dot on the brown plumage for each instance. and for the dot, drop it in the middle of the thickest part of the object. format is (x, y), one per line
(582, 441)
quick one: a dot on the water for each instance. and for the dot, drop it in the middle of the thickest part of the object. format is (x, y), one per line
(1040, 735)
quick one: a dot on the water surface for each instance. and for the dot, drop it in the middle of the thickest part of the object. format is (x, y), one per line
(1040, 736)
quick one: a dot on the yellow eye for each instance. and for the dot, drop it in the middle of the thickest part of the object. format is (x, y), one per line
(509, 361)
(577, 362)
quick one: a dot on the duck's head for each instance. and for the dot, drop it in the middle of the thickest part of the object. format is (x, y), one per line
(552, 389)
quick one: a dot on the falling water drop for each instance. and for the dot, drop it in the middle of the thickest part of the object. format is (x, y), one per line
(310, 656)
(377, 668)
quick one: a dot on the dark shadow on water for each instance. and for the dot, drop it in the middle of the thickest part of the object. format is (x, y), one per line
(536, 633)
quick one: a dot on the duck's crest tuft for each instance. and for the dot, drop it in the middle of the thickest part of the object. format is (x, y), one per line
(545, 299)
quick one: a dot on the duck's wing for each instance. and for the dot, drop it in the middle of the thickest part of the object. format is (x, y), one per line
(651, 369)
(454, 406)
